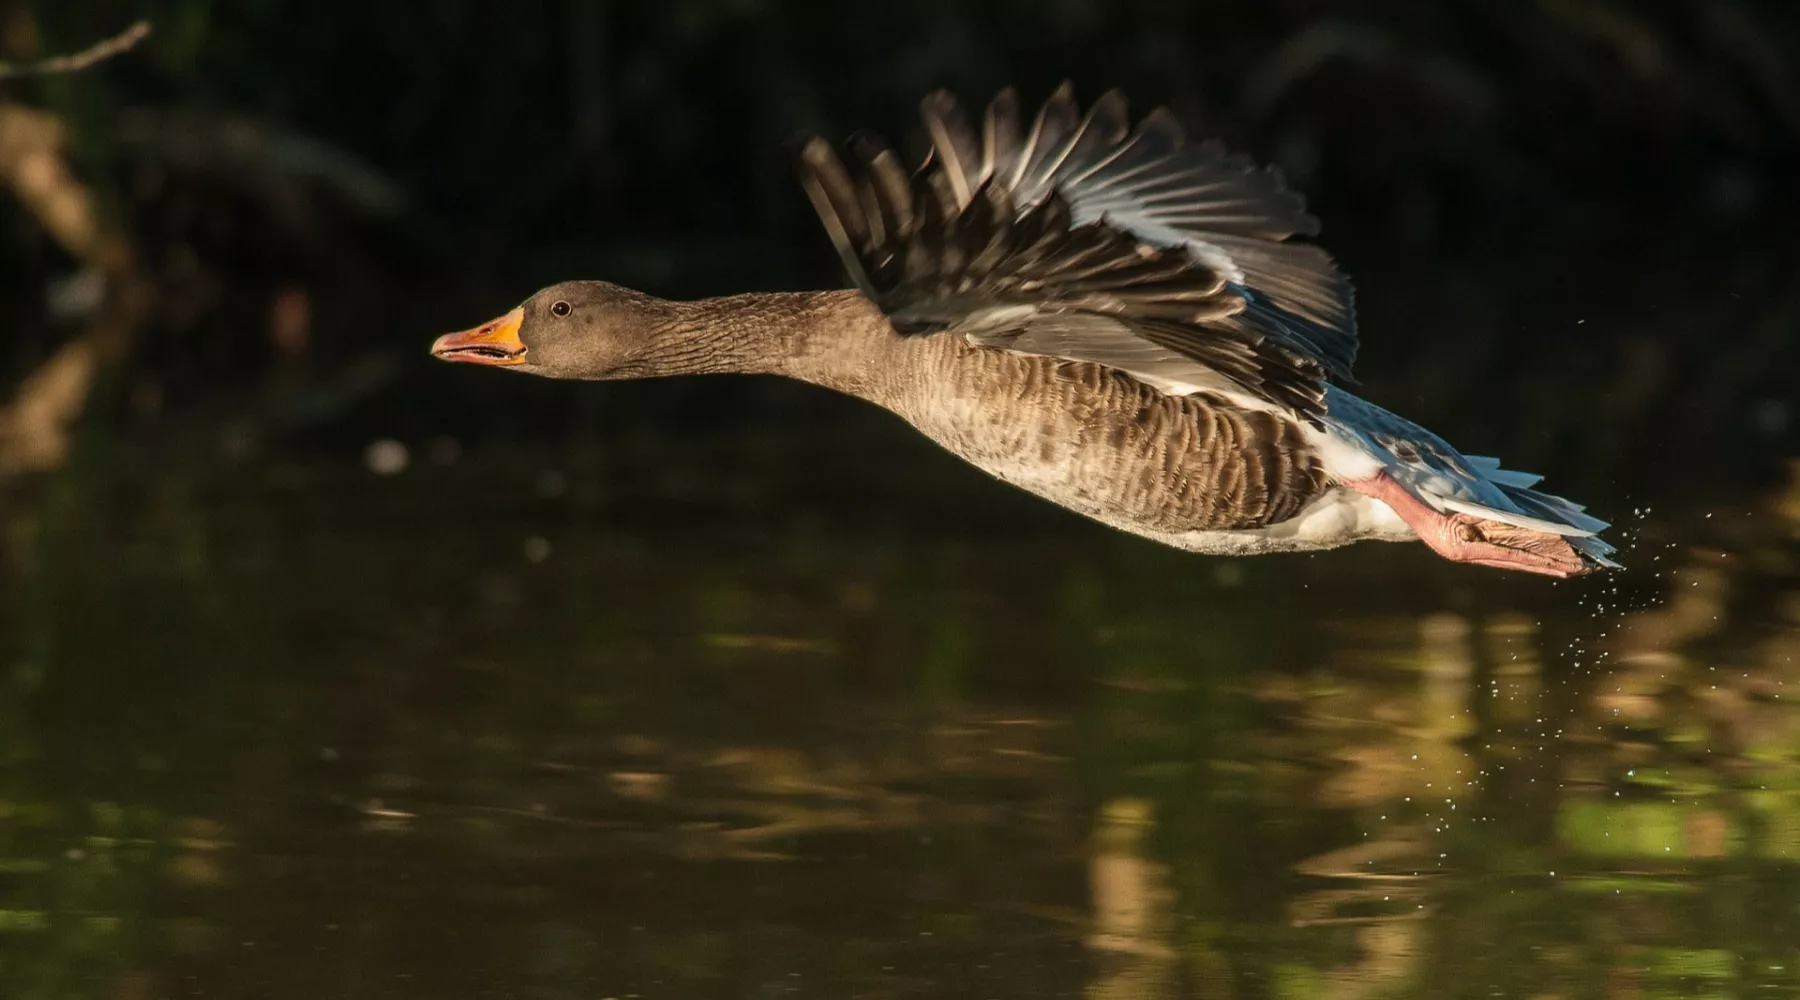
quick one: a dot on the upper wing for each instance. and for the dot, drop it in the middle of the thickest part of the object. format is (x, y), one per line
(1085, 240)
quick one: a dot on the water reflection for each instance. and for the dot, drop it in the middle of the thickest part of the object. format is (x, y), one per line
(313, 736)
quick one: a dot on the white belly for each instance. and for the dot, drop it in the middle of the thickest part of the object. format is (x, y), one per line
(1340, 517)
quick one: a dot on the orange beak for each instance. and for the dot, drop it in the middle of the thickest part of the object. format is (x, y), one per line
(492, 343)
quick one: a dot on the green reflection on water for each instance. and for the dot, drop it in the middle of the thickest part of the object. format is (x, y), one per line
(303, 732)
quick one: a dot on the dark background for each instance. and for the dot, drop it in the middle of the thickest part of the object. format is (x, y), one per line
(1571, 221)
(330, 670)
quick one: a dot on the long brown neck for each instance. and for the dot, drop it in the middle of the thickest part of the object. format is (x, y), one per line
(835, 339)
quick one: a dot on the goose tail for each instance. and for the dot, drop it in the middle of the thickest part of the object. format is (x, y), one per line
(1360, 441)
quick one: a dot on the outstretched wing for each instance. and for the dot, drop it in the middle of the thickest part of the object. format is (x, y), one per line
(1084, 239)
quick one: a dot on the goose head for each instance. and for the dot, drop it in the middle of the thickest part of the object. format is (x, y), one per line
(576, 329)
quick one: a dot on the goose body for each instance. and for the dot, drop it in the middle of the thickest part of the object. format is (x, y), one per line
(1109, 317)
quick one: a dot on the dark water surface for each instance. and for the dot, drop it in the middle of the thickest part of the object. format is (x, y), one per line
(673, 725)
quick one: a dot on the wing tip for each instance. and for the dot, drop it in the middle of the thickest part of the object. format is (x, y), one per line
(812, 151)
(938, 102)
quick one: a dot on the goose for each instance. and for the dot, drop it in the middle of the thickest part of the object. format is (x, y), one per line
(1106, 315)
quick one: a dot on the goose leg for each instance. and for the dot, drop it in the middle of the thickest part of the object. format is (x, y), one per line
(1468, 539)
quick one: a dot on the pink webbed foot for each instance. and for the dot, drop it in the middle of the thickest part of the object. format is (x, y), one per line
(1468, 539)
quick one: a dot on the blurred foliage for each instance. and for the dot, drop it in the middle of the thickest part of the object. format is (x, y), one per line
(318, 188)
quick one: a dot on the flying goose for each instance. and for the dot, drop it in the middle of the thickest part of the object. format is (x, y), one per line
(1111, 317)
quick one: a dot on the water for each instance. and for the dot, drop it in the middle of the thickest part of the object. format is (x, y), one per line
(692, 721)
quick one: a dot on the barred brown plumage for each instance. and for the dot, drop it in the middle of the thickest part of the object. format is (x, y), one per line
(1106, 317)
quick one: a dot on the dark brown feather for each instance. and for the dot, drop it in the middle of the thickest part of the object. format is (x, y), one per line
(954, 247)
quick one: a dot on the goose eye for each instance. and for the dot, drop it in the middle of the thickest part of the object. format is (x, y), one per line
(560, 308)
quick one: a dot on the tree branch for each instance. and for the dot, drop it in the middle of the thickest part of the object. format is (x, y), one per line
(99, 52)
(35, 425)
